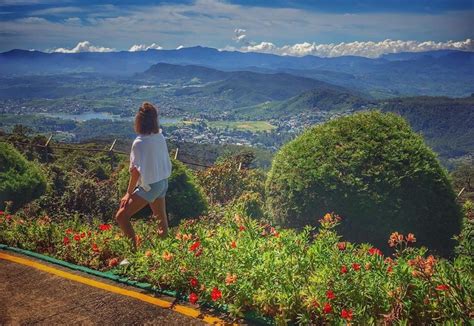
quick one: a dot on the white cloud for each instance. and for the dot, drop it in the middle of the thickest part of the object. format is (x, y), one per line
(32, 20)
(365, 49)
(57, 11)
(240, 35)
(208, 23)
(84, 46)
(144, 47)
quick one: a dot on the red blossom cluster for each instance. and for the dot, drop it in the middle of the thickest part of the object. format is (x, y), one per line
(8, 217)
(398, 239)
(105, 227)
(423, 267)
(193, 298)
(375, 252)
(194, 282)
(216, 294)
(341, 246)
(442, 287)
(330, 220)
(346, 314)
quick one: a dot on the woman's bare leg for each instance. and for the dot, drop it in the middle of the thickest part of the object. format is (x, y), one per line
(123, 215)
(158, 208)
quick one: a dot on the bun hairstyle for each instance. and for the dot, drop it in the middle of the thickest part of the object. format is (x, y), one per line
(146, 120)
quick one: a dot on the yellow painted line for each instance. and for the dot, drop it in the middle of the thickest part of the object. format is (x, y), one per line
(190, 312)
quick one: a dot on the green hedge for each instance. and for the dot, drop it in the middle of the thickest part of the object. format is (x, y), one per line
(374, 171)
(20, 180)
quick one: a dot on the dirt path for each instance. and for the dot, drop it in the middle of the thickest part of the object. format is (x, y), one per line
(31, 296)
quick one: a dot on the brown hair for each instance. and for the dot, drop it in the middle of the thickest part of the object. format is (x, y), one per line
(146, 120)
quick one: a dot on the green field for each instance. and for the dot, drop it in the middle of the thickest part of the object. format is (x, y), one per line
(253, 126)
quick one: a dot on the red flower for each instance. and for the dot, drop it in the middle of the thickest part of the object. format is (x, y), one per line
(241, 228)
(346, 314)
(341, 246)
(66, 241)
(2, 212)
(193, 298)
(83, 235)
(356, 266)
(374, 251)
(233, 244)
(69, 231)
(113, 262)
(389, 269)
(198, 253)
(194, 282)
(8, 217)
(442, 287)
(216, 294)
(77, 237)
(327, 309)
(343, 269)
(194, 246)
(410, 238)
(105, 227)
(330, 295)
(95, 248)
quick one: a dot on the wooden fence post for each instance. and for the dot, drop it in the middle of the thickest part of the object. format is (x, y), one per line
(176, 153)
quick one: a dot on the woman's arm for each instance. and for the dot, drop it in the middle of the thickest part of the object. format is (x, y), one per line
(132, 183)
(134, 175)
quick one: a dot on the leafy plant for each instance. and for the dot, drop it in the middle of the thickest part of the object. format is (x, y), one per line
(20, 180)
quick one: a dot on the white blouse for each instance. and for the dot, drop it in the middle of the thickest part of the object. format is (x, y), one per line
(150, 156)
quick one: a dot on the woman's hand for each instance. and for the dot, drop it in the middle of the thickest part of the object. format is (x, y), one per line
(124, 200)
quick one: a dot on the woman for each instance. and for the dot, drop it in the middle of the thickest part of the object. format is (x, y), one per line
(150, 168)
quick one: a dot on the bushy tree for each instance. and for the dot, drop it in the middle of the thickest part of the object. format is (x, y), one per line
(375, 172)
(20, 180)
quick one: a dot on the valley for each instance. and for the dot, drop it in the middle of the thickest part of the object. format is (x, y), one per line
(250, 101)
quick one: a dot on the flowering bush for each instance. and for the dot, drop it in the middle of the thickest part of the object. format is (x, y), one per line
(312, 276)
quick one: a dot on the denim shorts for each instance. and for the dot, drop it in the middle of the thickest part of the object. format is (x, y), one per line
(158, 190)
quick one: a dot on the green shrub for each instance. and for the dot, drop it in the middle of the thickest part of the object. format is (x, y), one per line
(249, 204)
(465, 248)
(184, 199)
(224, 182)
(375, 172)
(20, 181)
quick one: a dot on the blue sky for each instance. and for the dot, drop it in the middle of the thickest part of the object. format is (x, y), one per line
(267, 26)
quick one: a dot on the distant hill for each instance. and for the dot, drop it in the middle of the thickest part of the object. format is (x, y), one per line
(447, 73)
(318, 99)
(246, 88)
(446, 123)
(165, 72)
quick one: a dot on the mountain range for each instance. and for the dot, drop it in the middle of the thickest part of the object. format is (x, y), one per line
(438, 73)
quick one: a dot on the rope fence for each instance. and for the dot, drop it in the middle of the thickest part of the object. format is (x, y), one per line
(111, 150)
